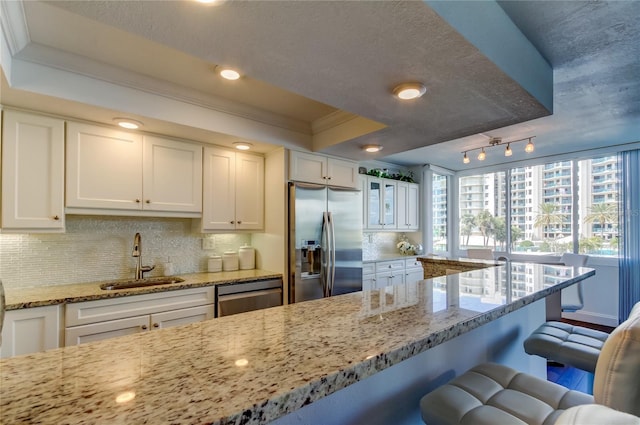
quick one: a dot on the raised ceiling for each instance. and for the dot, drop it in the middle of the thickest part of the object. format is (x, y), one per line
(318, 75)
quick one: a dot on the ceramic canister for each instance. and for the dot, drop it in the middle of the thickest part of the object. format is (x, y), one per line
(229, 261)
(214, 264)
(247, 256)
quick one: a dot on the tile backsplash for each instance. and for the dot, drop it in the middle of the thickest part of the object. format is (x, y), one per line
(378, 244)
(97, 248)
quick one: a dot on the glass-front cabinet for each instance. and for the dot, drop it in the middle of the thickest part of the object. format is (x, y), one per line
(381, 205)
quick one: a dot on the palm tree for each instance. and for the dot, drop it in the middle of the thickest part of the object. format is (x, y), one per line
(484, 221)
(602, 213)
(467, 223)
(547, 215)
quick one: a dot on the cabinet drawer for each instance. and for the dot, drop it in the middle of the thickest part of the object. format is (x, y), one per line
(117, 308)
(368, 268)
(412, 263)
(393, 265)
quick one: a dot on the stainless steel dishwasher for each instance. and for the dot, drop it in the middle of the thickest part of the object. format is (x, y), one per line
(236, 298)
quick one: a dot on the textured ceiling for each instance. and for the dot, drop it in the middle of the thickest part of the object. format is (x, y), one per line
(308, 60)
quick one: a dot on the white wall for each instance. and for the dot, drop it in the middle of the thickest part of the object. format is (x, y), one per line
(600, 294)
(271, 244)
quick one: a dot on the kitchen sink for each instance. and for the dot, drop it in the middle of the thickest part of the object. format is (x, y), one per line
(139, 283)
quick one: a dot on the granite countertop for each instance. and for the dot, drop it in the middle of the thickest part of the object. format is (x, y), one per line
(17, 298)
(254, 367)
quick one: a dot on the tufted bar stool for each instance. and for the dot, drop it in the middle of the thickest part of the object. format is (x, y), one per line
(567, 344)
(492, 394)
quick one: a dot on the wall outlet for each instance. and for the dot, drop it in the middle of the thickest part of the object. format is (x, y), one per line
(208, 243)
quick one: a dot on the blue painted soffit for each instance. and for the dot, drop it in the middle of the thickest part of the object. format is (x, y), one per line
(485, 25)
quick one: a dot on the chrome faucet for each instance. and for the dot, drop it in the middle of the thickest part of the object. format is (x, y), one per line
(137, 252)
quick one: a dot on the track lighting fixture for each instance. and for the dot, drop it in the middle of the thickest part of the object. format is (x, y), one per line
(496, 141)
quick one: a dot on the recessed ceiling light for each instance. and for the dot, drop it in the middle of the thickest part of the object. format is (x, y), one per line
(229, 74)
(243, 146)
(372, 148)
(125, 397)
(408, 91)
(128, 123)
(241, 362)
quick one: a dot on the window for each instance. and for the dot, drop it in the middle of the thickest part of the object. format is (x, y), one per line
(439, 201)
(567, 206)
(482, 224)
(598, 211)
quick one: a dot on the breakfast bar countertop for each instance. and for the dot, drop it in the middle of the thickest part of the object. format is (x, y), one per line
(17, 298)
(255, 367)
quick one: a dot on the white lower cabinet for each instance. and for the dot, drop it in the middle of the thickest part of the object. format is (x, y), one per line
(380, 274)
(389, 273)
(104, 330)
(31, 330)
(97, 320)
(413, 271)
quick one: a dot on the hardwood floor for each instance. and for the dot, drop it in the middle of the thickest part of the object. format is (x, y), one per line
(570, 377)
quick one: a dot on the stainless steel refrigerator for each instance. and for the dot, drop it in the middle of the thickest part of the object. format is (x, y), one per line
(325, 241)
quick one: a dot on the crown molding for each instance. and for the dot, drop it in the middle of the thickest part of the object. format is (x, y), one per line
(83, 66)
(332, 120)
(14, 25)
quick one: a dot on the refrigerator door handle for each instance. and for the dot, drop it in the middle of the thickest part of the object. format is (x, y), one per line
(332, 253)
(325, 255)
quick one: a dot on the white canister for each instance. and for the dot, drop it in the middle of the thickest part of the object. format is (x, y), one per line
(247, 256)
(229, 261)
(214, 264)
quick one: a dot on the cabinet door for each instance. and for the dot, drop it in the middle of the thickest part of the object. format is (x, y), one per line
(375, 195)
(413, 275)
(30, 330)
(104, 330)
(32, 172)
(402, 197)
(307, 167)
(104, 168)
(413, 206)
(342, 173)
(219, 197)
(389, 205)
(183, 316)
(172, 175)
(368, 282)
(249, 190)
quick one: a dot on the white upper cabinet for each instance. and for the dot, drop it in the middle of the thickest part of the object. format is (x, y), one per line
(233, 191)
(381, 204)
(408, 206)
(172, 175)
(320, 169)
(32, 173)
(391, 204)
(108, 170)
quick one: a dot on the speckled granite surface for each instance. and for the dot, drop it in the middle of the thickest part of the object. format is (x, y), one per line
(254, 367)
(17, 298)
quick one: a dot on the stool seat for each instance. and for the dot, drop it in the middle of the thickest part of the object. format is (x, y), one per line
(567, 344)
(491, 394)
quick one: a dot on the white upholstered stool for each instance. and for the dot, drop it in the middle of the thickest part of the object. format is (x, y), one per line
(575, 346)
(494, 394)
